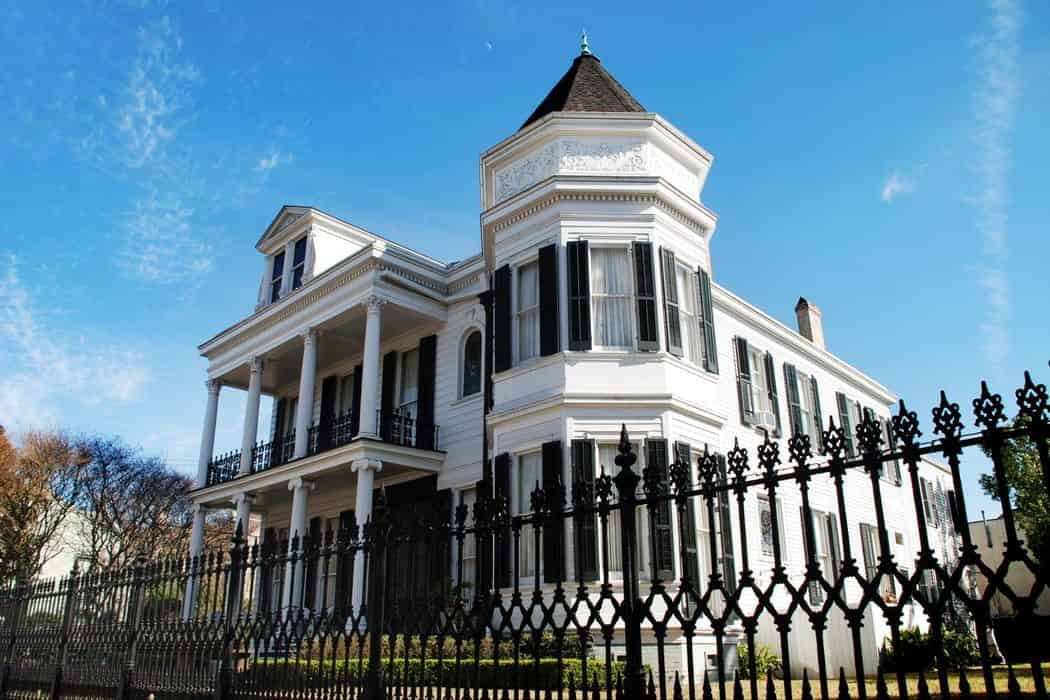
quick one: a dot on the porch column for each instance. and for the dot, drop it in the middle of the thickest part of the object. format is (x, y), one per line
(366, 474)
(243, 502)
(196, 547)
(293, 573)
(305, 409)
(251, 414)
(370, 369)
(211, 414)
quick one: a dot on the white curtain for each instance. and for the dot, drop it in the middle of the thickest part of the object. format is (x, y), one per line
(528, 478)
(687, 303)
(528, 312)
(606, 455)
(611, 297)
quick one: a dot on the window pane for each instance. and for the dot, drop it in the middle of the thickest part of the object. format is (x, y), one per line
(610, 297)
(528, 312)
(409, 377)
(528, 479)
(299, 254)
(278, 266)
(472, 364)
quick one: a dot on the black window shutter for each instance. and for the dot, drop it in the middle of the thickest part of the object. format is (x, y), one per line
(327, 414)
(645, 293)
(743, 381)
(833, 541)
(774, 400)
(269, 557)
(355, 401)
(707, 316)
(386, 397)
(585, 533)
(816, 593)
(845, 422)
(579, 278)
(553, 531)
(818, 419)
(663, 545)
(309, 546)
(725, 528)
(687, 528)
(502, 484)
(671, 320)
(425, 404)
(344, 574)
(502, 341)
(278, 418)
(794, 400)
(549, 319)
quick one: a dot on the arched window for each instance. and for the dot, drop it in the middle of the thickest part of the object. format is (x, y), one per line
(472, 364)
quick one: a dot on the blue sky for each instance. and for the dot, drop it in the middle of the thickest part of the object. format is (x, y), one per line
(887, 161)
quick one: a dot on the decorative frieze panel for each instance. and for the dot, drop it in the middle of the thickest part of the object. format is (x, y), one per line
(593, 157)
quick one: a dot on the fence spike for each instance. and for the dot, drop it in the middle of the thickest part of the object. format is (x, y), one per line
(651, 694)
(705, 691)
(807, 692)
(771, 689)
(924, 689)
(572, 686)
(619, 686)
(595, 688)
(843, 685)
(964, 685)
(738, 689)
(547, 694)
(881, 691)
(1012, 684)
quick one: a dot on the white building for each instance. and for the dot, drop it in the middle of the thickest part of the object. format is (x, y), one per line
(597, 272)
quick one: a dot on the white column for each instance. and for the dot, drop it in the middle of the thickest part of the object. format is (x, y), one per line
(196, 547)
(243, 502)
(293, 574)
(366, 472)
(211, 414)
(251, 413)
(305, 409)
(370, 368)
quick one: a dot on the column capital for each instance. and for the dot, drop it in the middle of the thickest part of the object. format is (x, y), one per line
(369, 463)
(374, 303)
(198, 509)
(213, 385)
(243, 497)
(255, 364)
(300, 483)
(309, 335)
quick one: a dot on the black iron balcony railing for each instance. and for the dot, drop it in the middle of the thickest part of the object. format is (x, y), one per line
(399, 427)
(403, 427)
(223, 468)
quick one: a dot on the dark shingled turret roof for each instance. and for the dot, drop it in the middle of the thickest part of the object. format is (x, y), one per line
(586, 87)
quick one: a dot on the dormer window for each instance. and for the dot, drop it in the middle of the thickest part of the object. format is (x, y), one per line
(298, 263)
(276, 277)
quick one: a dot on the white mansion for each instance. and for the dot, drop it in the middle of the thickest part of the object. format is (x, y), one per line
(590, 305)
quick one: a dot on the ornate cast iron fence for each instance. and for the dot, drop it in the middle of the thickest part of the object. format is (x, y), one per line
(582, 597)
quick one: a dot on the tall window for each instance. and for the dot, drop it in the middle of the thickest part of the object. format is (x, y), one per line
(688, 296)
(528, 311)
(611, 297)
(276, 277)
(826, 540)
(606, 454)
(409, 382)
(472, 364)
(298, 263)
(468, 498)
(761, 403)
(529, 471)
(346, 394)
(807, 407)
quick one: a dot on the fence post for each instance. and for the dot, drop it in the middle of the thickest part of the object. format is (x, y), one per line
(135, 603)
(17, 592)
(230, 613)
(379, 533)
(632, 608)
(67, 626)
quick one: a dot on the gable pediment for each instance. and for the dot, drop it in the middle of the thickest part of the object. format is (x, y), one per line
(286, 217)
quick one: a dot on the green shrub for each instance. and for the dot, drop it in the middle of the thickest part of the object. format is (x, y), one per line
(314, 674)
(916, 651)
(766, 661)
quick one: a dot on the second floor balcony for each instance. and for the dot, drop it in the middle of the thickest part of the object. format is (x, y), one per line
(397, 427)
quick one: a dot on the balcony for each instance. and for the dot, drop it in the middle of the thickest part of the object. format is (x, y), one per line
(396, 427)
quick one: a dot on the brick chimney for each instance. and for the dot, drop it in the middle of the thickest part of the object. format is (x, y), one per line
(809, 323)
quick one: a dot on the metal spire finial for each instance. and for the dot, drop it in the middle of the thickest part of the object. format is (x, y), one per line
(585, 48)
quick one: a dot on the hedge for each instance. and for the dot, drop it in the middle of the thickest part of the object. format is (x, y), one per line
(316, 674)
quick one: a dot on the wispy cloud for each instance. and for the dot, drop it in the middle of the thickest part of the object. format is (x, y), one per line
(43, 364)
(995, 102)
(895, 185)
(160, 245)
(273, 160)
